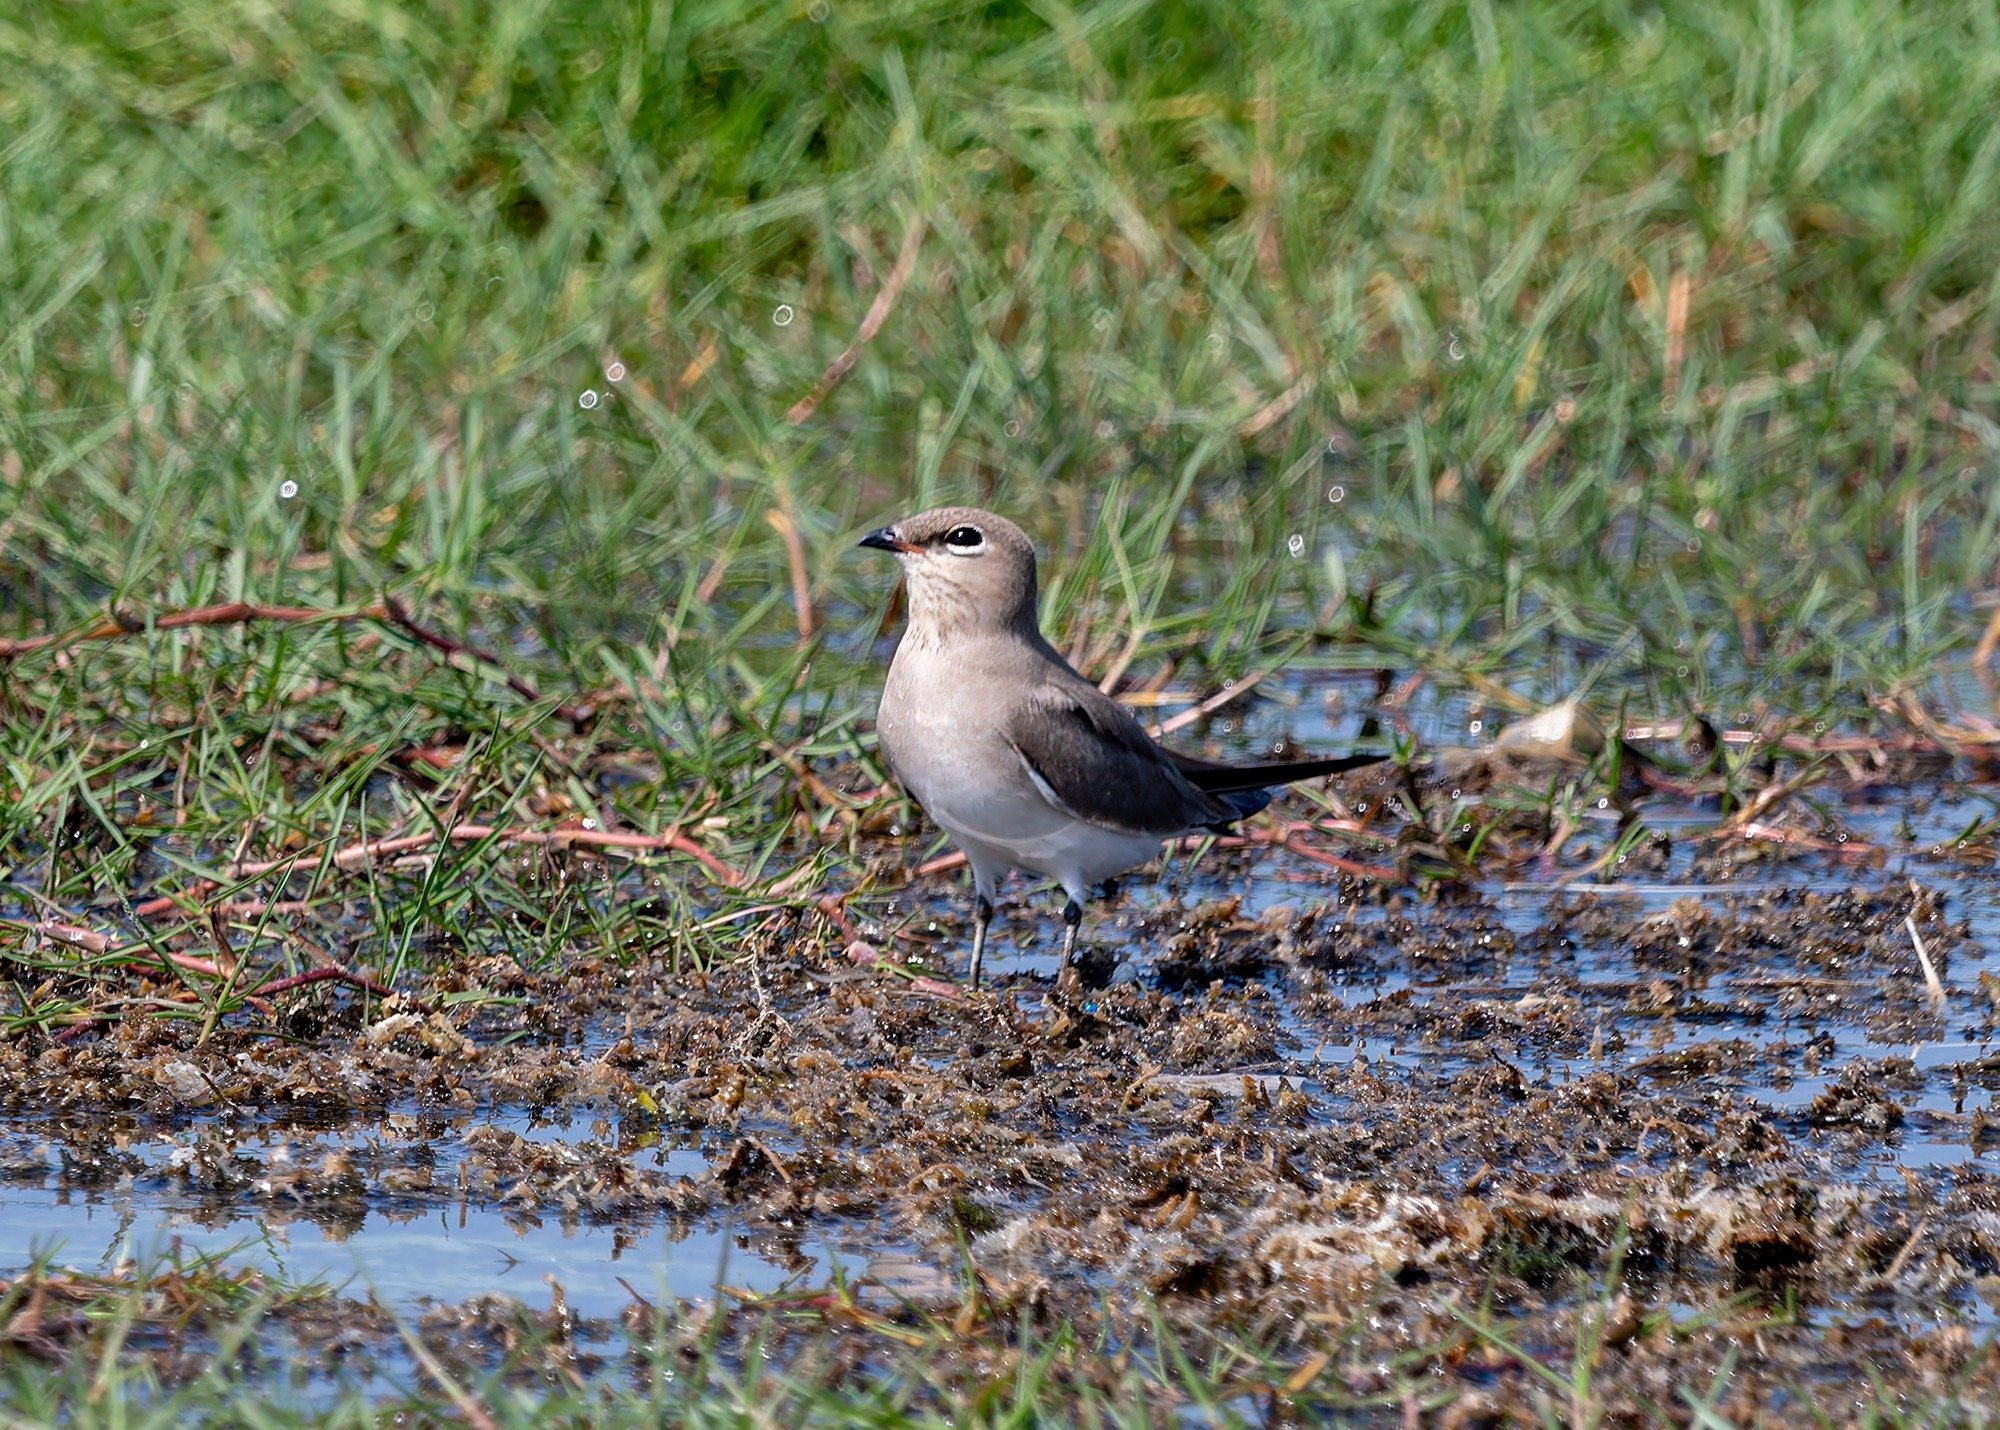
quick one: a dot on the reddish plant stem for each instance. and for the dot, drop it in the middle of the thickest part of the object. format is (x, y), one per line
(234, 613)
(355, 856)
(94, 942)
(333, 974)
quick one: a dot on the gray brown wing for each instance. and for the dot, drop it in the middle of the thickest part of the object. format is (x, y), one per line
(1097, 762)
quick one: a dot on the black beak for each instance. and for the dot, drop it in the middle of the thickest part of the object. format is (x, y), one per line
(885, 539)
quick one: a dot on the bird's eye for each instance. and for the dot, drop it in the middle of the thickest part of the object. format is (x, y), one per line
(964, 539)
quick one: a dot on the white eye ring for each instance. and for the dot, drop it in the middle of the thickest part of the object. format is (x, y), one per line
(955, 543)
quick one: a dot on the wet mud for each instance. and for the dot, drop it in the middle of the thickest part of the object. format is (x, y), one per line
(1715, 1110)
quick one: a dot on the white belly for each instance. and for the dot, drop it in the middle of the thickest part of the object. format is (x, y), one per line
(977, 788)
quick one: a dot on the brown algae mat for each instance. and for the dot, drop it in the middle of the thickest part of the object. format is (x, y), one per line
(1418, 1150)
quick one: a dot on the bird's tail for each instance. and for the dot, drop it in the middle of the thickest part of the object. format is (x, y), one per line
(1229, 780)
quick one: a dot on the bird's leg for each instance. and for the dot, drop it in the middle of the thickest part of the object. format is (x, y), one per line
(1072, 919)
(982, 915)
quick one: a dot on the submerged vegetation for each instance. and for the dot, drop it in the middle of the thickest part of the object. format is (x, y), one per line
(430, 448)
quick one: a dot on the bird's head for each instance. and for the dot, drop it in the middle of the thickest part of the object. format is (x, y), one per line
(966, 568)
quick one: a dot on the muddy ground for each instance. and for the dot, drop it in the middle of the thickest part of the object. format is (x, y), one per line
(1405, 1140)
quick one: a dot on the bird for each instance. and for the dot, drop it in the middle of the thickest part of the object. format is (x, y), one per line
(1022, 761)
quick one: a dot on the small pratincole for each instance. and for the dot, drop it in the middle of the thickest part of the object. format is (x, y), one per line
(1023, 762)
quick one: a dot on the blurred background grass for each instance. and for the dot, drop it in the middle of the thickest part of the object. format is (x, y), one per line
(1498, 342)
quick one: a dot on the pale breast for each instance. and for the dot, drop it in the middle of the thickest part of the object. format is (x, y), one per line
(941, 737)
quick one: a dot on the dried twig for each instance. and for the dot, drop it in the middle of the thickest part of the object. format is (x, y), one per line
(871, 323)
(395, 613)
(834, 908)
(1222, 697)
(356, 856)
(1770, 797)
(476, 1415)
(1283, 838)
(235, 613)
(1680, 289)
(1276, 408)
(389, 611)
(943, 864)
(795, 553)
(1778, 834)
(323, 975)
(1902, 1260)
(1931, 979)
(1982, 657)
(93, 942)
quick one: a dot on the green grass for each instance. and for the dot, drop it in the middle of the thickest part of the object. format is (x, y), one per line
(178, 1342)
(1646, 349)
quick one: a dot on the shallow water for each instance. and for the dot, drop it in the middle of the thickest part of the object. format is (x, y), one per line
(1790, 1028)
(424, 1245)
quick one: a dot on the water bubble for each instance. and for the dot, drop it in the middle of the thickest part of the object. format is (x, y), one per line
(782, 315)
(1819, 727)
(1455, 794)
(614, 372)
(1454, 347)
(1603, 803)
(1476, 726)
(1101, 319)
(818, 12)
(425, 312)
(1217, 341)
(1336, 495)
(1694, 544)
(1013, 427)
(590, 824)
(1681, 671)
(587, 399)
(137, 317)
(1297, 545)
(287, 490)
